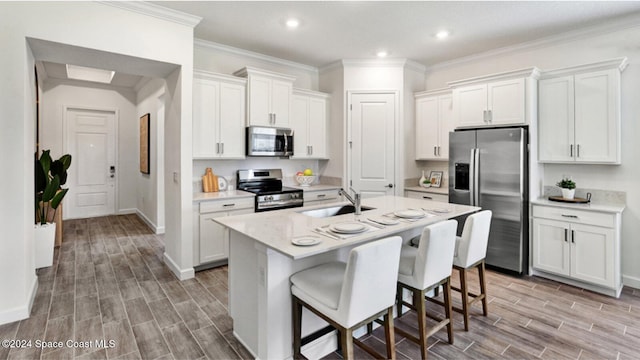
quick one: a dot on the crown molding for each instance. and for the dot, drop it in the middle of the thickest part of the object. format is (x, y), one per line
(600, 29)
(250, 70)
(533, 72)
(307, 92)
(617, 63)
(334, 65)
(204, 44)
(210, 75)
(156, 11)
(441, 91)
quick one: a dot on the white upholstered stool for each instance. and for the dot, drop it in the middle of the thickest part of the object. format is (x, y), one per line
(424, 268)
(350, 295)
(471, 250)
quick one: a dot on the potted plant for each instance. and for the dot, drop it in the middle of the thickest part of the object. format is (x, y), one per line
(49, 178)
(568, 188)
(426, 183)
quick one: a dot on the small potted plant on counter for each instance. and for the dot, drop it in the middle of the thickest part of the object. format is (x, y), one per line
(49, 177)
(568, 188)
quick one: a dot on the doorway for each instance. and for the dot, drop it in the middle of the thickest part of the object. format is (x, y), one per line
(91, 141)
(371, 154)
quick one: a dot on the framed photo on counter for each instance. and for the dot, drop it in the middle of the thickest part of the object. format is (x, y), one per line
(436, 178)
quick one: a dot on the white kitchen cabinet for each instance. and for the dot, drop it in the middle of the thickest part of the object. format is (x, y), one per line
(218, 116)
(495, 100)
(269, 97)
(433, 124)
(318, 197)
(579, 109)
(309, 123)
(213, 238)
(582, 247)
(427, 196)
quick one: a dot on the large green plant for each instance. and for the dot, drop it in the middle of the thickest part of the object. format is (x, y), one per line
(49, 178)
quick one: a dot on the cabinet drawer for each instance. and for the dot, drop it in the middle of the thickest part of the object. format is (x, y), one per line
(427, 196)
(322, 195)
(226, 205)
(576, 216)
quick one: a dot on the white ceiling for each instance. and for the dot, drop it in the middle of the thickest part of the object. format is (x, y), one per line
(59, 71)
(334, 30)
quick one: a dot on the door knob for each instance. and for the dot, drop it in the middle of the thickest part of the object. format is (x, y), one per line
(389, 186)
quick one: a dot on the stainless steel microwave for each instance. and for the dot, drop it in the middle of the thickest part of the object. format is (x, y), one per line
(266, 141)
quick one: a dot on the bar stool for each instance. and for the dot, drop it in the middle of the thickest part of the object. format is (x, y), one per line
(471, 250)
(424, 268)
(350, 295)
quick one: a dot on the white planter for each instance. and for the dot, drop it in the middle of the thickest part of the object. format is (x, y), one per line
(44, 240)
(568, 193)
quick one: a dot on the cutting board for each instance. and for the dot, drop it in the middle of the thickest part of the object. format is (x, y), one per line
(209, 181)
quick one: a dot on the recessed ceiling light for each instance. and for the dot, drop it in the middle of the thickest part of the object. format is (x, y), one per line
(89, 74)
(443, 34)
(382, 53)
(292, 23)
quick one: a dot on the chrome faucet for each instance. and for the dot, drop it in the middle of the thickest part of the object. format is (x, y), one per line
(355, 200)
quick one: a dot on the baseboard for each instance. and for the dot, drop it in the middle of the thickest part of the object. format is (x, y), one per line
(156, 229)
(182, 274)
(127, 211)
(631, 281)
(20, 312)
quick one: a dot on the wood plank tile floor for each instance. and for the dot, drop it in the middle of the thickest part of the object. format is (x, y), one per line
(108, 282)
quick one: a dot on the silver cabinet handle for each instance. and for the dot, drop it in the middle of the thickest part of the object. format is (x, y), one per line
(573, 235)
(438, 150)
(565, 234)
(221, 148)
(434, 151)
(578, 150)
(311, 147)
(571, 150)
(490, 115)
(228, 205)
(217, 148)
(427, 197)
(570, 216)
(321, 196)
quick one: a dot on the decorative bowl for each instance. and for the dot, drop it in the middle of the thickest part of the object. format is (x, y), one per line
(305, 180)
(425, 185)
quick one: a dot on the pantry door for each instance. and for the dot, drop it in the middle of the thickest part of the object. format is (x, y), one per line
(91, 142)
(371, 143)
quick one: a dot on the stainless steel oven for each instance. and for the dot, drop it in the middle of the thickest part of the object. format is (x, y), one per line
(265, 141)
(270, 194)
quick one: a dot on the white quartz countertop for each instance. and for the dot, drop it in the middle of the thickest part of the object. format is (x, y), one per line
(276, 229)
(316, 187)
(202, 196)
(433, 190)
(603, 207)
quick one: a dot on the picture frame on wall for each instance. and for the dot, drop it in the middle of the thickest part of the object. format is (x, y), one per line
(144, 143)
(436, 178)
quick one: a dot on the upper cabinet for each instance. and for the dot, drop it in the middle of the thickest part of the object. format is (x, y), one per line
(218, 116)
(579, 114)
(269, 97)
(495, 100)
(433, 124)
(309, 124)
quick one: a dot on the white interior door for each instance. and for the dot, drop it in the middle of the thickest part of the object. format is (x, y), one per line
(372, 132)
(91, 142)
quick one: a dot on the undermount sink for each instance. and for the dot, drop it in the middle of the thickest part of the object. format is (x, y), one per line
(333, 211)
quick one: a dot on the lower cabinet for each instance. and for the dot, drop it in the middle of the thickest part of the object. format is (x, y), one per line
(213, 238)
(318, 197)
(426, 196)
(583, 247)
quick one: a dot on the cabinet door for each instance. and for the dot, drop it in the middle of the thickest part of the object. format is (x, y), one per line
(317, 136)
(299, 124)
(592, 254)
(259, 104)
(231, 119)
(281, 94)
(469, 105)
(506, 102)
(427, 128)
(234, 213)
(445, 125)
(597, 117)
(213, 238)
(551, 250)
(205, 98)
(556, 119)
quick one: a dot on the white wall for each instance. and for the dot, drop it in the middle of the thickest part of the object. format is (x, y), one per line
(150, 187)
(332, 82)
(60, 93)
(582, 50)
(90, 26)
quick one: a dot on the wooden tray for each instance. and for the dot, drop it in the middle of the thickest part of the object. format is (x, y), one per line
(575, 200)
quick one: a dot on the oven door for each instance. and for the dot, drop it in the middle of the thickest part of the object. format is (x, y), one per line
(263, 141)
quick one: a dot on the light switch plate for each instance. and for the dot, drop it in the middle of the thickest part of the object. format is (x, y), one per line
(176, 178)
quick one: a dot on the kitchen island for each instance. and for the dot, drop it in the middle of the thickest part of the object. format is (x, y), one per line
(262, 257)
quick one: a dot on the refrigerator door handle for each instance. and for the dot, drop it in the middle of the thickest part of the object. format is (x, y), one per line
(472, 176)
(476, 177)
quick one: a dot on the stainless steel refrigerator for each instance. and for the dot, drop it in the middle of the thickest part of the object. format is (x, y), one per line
(489, 168)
